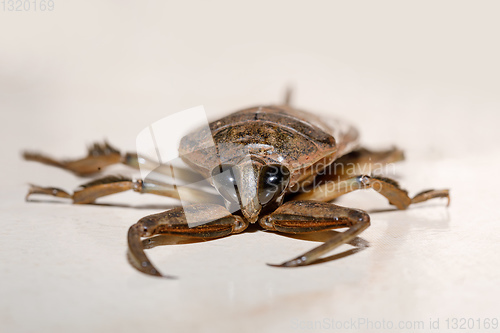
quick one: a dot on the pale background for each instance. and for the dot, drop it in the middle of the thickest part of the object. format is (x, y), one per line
(422, 75)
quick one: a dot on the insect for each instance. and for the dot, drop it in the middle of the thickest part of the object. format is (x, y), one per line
(274, 166)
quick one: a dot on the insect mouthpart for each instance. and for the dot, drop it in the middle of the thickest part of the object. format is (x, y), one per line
(249, 186)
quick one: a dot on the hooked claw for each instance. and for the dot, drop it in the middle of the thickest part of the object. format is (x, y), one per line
(136, 251)
(299, 261)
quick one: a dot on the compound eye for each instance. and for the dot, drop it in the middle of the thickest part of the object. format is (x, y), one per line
(225, 182)
(273, 180)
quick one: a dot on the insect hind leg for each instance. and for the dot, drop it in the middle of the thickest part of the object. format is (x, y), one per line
(99, 156)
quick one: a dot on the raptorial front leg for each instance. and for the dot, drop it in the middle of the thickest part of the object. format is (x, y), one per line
(200, 220)
(387, 187)
(310, 216)
(89, 192)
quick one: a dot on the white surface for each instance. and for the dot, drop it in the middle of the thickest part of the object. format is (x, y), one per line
(421, 76)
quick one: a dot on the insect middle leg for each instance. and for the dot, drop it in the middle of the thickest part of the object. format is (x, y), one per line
(387, 187)
(350, 173)
(303, 216)
(89, 192)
